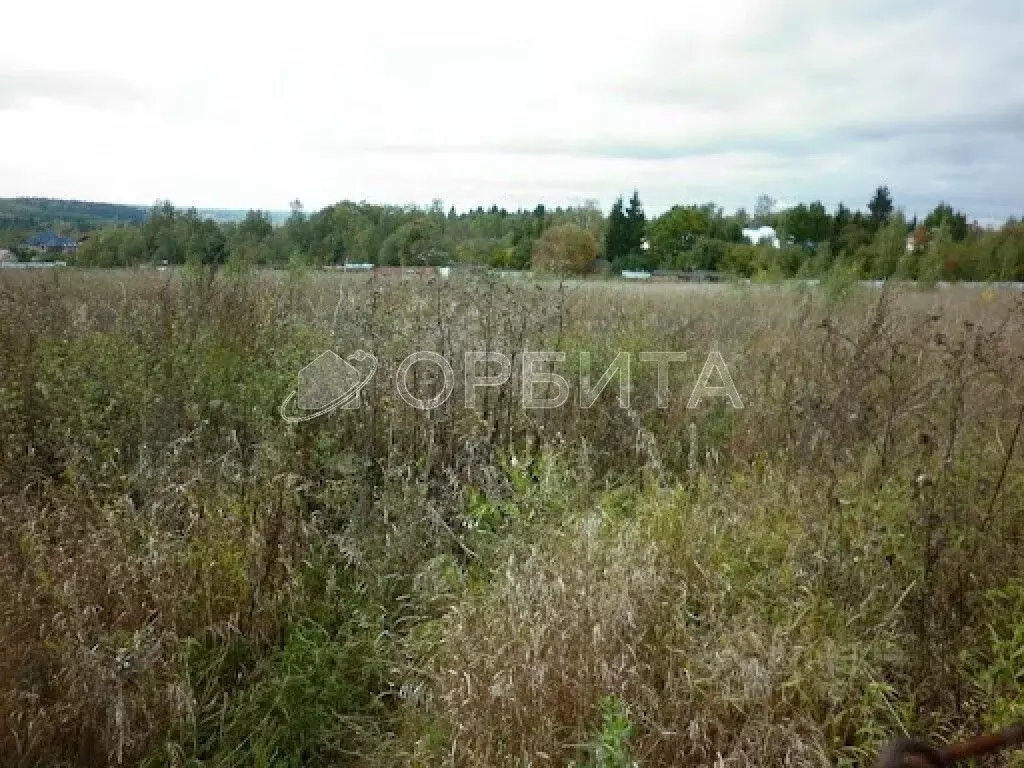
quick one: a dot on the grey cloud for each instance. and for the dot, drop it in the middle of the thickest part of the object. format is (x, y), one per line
(926, 97)
(19, 88)
(964, 130)
(875, 54)
(967, 160)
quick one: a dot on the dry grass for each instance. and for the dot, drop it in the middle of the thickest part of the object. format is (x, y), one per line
(185, 580)
(689, 614)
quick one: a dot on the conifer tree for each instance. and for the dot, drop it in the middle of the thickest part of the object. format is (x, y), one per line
(616, 240)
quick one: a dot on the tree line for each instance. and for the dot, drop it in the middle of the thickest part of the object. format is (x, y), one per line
(876, 242)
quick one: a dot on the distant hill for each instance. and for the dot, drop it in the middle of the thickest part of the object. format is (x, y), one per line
(21, 217)
(29, 213)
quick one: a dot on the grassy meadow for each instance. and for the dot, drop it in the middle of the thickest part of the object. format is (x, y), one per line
(187, 580)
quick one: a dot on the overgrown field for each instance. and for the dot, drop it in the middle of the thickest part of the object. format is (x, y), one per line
(187, 580)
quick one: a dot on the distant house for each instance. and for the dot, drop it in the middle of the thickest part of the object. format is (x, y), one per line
(756, 236)
(633, 274)
(51, 242)
(6, 256)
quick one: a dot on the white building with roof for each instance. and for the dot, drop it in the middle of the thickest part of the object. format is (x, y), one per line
(757, 235)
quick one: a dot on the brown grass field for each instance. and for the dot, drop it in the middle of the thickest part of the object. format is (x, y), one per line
(187, 580)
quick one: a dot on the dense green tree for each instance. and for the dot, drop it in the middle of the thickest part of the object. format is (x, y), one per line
(539, 214)
(625, 234)
(840, 221)
(252, 243)
(616, 239)
(298, 234)
(726, 228)
(740, 259)
(851, 231)
(881, 207)
(116, 246)
(414, 243)
(636, 223)
(255, 226)
(807, 223)
(674, 234)
(956, 220)
(933, 259)
(205, 242)
(882, 258)
(1008, 250)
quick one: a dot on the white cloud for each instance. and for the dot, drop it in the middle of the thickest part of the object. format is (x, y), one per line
(236, 104)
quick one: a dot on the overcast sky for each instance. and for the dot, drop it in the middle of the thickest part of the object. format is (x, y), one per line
(252, 104)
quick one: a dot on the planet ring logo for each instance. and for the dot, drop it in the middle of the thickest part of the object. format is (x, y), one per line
(328, 383)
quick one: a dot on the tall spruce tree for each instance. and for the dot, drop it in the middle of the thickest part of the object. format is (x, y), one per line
(616, 239)
(881, 208)
(636, 224)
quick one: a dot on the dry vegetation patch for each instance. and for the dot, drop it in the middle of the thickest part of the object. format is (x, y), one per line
(187, 580)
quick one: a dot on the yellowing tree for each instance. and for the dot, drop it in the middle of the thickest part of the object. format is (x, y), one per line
(566, 248)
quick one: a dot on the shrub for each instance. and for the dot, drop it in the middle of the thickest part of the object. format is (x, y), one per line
(565, 248)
